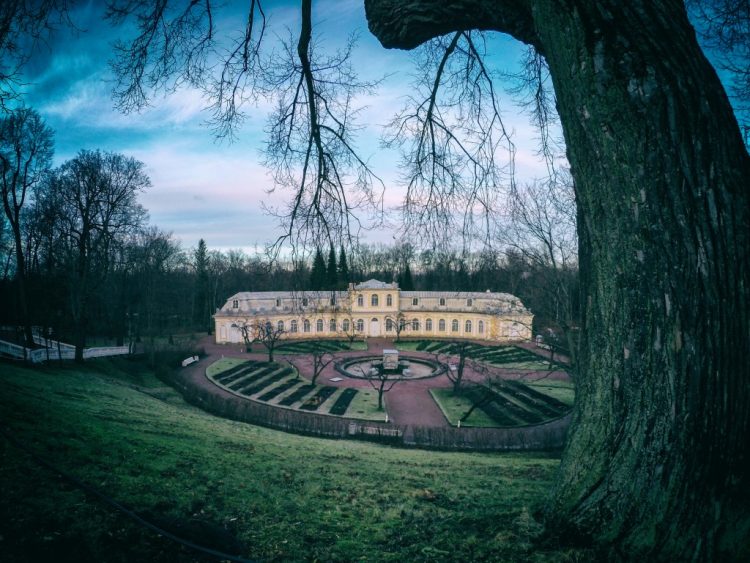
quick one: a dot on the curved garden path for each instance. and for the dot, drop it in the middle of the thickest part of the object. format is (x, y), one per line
(408, 403)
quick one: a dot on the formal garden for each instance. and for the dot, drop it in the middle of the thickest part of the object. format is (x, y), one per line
(522, 390)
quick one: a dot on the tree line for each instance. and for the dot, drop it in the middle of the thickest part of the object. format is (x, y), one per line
(82, 260)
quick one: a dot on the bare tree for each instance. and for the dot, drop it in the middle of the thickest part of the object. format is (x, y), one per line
(263, 331)
(311, 148)
(94, 195)
(541, 228)
(454, 357)
(26, 147)
(321, 358)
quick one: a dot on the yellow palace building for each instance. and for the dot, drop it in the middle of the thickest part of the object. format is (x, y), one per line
(376, 309)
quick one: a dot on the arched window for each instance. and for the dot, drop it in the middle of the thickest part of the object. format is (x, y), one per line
(480, 327)
(467, 326)
(333, 300)
(469, 302)
(360, 325)
(278, 302)
(305, 326)
(415, 324)
(332, 325)
(360, 301)
(402, 324)
(304, 301)
(235, 304)
(374, 300)
(280, 326)
(269, 327)
(389, 325)
(345, 325)
(428, 325)
(388, 300)
(294, 326)
(319, 325)
(441, 325)
(442, 301)
(454, 325)
(415, 301)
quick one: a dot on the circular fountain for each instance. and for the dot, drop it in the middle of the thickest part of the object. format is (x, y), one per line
(391, 366)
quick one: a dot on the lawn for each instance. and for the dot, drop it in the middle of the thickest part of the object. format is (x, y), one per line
(561, 390)
(456, 406)
(308, 346)
(269, 495)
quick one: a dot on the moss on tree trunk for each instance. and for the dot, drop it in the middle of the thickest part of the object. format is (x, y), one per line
(657, 460)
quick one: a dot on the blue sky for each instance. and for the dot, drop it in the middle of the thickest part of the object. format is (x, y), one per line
(203, 188)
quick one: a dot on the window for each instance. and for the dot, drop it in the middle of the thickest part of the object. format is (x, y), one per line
(480, 327)
(332, 325)
(415, 301)
(278, 302)
(360, 301)
(305, 326)
(269, 327)
(428, 325)
(469, 302)
(345, 325)
(374, 300)
(388, 325)
(293, 328)
(467, 326)
(441, 325)
(389, 300)
(235, 304)
(402, 324)
(442, 301)
(304, 301)
(360, 325)
(454, 325)
(319, 326)
(415, 324)
(333, 300)
(280, 326)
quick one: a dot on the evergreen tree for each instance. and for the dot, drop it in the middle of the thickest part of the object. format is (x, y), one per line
(406, 283)
(318, 274)
(332, 273)
(200, 297)
(343, 268)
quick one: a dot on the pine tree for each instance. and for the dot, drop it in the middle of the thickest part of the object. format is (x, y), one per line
(343, 268)
(318, 274)
(406, 282)
(332, 280)
(200, 297)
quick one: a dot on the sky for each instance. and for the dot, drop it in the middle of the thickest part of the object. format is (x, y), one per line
(203, 188)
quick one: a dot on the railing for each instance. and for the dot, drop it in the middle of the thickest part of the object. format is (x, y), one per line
(57, 351)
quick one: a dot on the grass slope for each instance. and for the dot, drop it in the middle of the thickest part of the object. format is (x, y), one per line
(275, 496)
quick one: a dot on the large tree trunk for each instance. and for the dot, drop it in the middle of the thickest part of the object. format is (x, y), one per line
(657, 460)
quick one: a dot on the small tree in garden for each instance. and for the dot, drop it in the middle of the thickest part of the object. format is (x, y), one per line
(380, 381)
(455, 355)
(321, 359)
(262, 331)
(399, 322)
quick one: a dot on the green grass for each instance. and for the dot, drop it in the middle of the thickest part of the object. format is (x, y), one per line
(332, 346)
(281, 497)
(456, 406)
(222, 365)
(364, 406)
(561, 390)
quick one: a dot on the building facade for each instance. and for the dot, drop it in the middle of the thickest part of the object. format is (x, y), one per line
(375, 309)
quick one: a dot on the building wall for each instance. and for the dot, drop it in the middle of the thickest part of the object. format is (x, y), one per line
(506, 320)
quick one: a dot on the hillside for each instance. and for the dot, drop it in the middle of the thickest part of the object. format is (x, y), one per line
(235, 487)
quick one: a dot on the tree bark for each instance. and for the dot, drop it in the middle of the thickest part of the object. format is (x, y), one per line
(657, 461)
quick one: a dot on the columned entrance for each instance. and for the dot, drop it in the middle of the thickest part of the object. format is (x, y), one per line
(374, 327)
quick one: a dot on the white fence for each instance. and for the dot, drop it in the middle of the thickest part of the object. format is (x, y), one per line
(57, 351)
